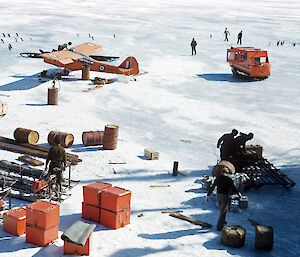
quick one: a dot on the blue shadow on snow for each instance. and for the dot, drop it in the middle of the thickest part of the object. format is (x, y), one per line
(223, 77)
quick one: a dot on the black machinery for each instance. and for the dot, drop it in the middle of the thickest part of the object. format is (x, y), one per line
(31, 184)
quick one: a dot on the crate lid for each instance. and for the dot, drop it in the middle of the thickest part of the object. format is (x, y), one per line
(117, 191)
(18, 214)
(42, 206)
(97, 185)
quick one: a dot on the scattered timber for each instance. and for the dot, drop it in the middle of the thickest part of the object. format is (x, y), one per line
(191, 220)
(30, 149)
(159, 185)
(171, 212)
(30, 160)
(181, 173)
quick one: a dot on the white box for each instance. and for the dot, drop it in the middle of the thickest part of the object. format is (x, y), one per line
(151, 154)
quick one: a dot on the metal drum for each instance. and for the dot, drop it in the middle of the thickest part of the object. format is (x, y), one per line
(52, 96)
(110, 139)
(86, 72)
(90, 138)
(23, 135)
(233, 236)
(263, 237)
(65, 139)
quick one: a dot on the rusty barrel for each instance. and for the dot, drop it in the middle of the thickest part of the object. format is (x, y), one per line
(85, 72)
(52, 96)
(24, 135)
(65, 139)
(110, 138)
(90, 138)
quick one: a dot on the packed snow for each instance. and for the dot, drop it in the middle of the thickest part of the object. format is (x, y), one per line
(179, 108)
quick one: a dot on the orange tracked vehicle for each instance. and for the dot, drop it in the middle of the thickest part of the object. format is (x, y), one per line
(249, 61)
(78, 57)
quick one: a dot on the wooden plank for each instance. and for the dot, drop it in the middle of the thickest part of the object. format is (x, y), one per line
(28, 151)
(72, 157)
(92, 88)
(191, 220)
(159, 185)
(30, 160)
(171, 212)
(117, 163)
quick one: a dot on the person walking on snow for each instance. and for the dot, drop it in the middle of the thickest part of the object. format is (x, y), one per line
(226, 33)
(225, 187)
(193, 45)
(240, 38)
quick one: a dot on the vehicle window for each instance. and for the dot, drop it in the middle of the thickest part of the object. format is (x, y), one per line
(264, 59)
(244, 56)
(231, 56)
(256, 60)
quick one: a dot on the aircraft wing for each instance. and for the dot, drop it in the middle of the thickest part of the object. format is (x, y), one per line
(87, 48)
(65, 57)
(61, 58)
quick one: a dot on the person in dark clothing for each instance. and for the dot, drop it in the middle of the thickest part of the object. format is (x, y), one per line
(227, 145)
(240, 38)
(57, 158)
(225, 187)
(239, 145)
(193, 45)
(226, 33)
(64, 46)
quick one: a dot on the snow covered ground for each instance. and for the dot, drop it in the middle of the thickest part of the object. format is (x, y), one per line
(182, 98)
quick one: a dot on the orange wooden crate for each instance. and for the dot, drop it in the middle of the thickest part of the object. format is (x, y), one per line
(41, 237)
(90, 212)
(14, 221)
(92, 192)
(115, 219)
(78, 250)
(42, 214)
(115, 199)
(37, 185)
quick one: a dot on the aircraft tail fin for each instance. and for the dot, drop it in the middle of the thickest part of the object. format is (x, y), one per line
(131, 65)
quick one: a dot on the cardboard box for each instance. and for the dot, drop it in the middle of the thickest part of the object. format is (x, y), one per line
(42, 214)
(90, 212)
(115, 219)
(78, 250)
(92, 192)
(14, 221)
(39, 236)
(151, 154)
(115, 199)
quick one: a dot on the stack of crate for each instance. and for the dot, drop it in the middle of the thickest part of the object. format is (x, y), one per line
(92, 200)
(113, 208)
(42, 223)
(14, 221)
